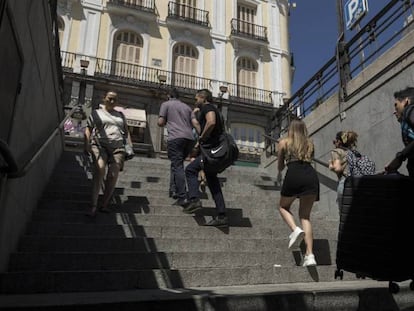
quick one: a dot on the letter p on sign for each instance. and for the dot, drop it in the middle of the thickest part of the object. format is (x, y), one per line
(354, 11)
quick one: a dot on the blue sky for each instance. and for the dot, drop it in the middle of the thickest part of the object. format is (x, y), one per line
(314, 32)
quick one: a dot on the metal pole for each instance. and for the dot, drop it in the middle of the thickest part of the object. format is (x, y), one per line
(340, 15)
(342, 60)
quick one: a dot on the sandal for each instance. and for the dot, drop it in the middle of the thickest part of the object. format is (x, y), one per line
(203, 185)
(105, 209)
(92, 212)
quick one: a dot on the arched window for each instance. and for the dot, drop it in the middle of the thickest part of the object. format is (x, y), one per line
(246, 77)
(185, 65)
(126, 54)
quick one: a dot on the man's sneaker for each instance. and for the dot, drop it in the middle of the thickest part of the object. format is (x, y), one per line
(295, 238)
(173, 194)
(309, 261)
(192, 206)
(181, 202)
(218, 222)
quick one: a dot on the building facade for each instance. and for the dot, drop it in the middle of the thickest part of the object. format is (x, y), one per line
(140, 48)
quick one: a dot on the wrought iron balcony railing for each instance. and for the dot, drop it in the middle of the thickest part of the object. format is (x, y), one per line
(153, 77)
(188, 14)
(245, 29)
(142, 5)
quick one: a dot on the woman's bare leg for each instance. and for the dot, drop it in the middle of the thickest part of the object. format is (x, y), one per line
(305, 207)
(284, 209)
(97, 179)
(110, 182)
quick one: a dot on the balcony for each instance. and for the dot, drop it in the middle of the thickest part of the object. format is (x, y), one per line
(247, 30)
(152, 78)
(180, 14)
(142, 9)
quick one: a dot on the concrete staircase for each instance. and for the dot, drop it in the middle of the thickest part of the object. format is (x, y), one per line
(145, 243)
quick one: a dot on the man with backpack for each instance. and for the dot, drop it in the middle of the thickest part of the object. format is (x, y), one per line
(209, 127)
(404, 111)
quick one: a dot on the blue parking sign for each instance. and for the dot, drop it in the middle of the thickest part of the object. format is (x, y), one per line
(354, 11)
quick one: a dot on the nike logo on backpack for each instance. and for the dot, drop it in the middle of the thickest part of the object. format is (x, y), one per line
(217, 150)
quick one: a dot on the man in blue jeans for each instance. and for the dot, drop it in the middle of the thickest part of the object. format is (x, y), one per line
(176, 115)
(209, 127)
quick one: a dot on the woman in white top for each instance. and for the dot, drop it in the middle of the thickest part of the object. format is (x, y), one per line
(104, 140)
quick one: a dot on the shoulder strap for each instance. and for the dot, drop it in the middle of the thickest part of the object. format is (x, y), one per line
(94, 119)
(122, 130)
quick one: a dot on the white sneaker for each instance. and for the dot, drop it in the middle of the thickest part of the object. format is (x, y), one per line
(296, 238)
(309, 261)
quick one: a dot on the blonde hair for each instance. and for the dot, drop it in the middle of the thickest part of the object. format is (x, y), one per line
(299, 145)
(347, 139)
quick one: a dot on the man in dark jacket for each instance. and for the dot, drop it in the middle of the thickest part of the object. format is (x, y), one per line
(404, 111)
(209, 127)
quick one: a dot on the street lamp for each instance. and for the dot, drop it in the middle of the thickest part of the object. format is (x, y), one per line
(79, 113)
(223, 89)
(162, 78)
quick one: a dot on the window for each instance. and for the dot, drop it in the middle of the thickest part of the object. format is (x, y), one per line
(186, 8)
(246, 77)
(246, 16)
(134, 2)
(185, 64)
(192, 3)
(247, 71)
(246, 13)
(249, 138)
(127, 51)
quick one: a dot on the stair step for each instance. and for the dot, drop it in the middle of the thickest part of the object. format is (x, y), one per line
(142, 207)
(79, 261)
(101, 280)
(121, 217)
(132, 230)
(46, 243)
(146, 242)
(363, 295)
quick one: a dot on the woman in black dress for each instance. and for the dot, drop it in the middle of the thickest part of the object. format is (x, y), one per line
(301, 181)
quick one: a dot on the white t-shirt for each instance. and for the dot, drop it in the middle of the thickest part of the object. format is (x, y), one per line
(107, 127)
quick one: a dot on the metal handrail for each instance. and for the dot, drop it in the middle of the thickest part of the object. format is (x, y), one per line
(383, 30)
(13, 170)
